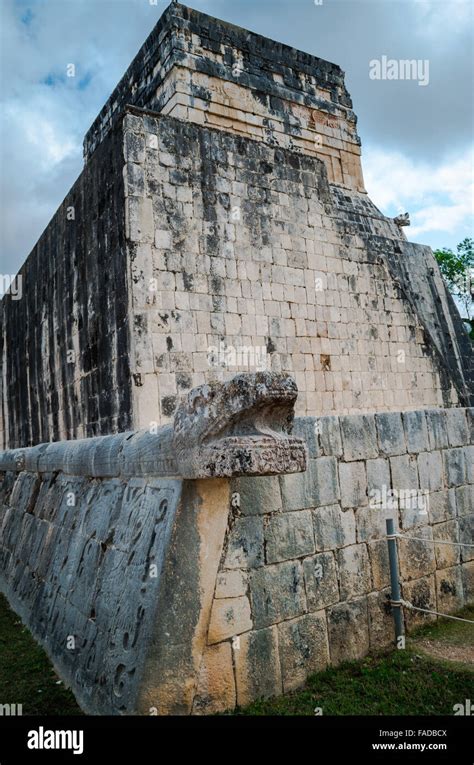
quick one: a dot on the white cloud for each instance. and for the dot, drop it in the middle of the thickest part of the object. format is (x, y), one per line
(43, 125)
(45, 136)
(43, 113)
(443, 16)
(439, 198)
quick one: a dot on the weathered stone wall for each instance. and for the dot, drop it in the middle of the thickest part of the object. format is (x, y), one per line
(234, 222)
(187, 239)
(235, 226)
(76, 556)
(199, 69)
(65, 349)
(194, 596)
(112, 572)
(238, 245)
(111, 558)
(304, 580)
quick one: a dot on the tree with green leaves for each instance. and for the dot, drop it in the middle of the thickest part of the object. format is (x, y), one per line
(458, 271)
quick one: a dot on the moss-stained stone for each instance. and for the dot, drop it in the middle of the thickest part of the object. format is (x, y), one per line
(437, 432)
(258, 495)
(416, 556)
(353, 480)
(416, 431)
(449, 590)
(466, 536)
(229, 617)
(379, 563)
(378, 478)
(465, 499)
(467, 574)
(371, 523)
(257, 665)
(216, 686)
(245, 544)
(354, 571)
(469, 460)
(277, 593)
(390, 433)
(404, 473)
(329, 432)
(359, 437)
(318, 486)
(446, 554)
(348, 619)
(442, 505)
(381, 625)
(333, 527)
(422, 594)
(303, 647)
(430, 471)
(457, 427)
(289, 535)
(308, 429)
(320, 576)
(454, 467)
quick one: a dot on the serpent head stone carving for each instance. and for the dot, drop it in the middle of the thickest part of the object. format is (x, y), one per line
(239, 427)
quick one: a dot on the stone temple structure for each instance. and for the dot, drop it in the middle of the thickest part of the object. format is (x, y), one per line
(171, 533)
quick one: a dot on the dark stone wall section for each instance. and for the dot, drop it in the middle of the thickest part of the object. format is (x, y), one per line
(419, 282)
(170, 44)
(414, 267)
(66, 341)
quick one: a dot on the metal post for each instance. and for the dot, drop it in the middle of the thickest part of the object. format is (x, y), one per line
(395, 587)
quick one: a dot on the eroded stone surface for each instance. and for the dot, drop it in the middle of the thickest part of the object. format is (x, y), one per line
(239, 427)
(277, 593)
(216, 686)
(257, 665)
(289, 535)
(381, 627)
(348, 619)
(416, 557)
(422, 594)
(98, 563)
(318, 486)
(354, 571)
(229, 617)
(303, 645)
(147, 571)
(320, 576)
(333, 527)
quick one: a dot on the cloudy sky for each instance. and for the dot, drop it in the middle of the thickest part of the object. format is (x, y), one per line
(417, 140)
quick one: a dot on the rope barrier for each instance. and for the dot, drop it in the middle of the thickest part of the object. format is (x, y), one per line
(433, 541)
(422, 539)
(407, 604)
(396, 600)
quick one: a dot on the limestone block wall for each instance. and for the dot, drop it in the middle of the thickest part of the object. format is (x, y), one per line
(112, 569)
(180, 244)
(154, 595)
(76, 555)
(237, 245)
(203, 70)
(64, 345)
(228, 233)
(304, 579)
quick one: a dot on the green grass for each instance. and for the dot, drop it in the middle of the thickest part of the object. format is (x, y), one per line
(26, 674)
(398, 682)
(450, 632)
